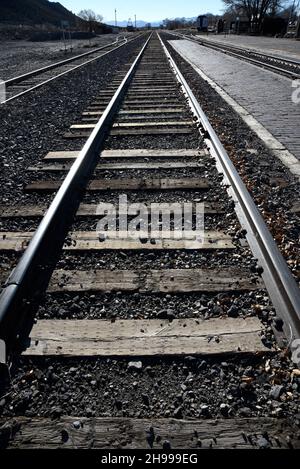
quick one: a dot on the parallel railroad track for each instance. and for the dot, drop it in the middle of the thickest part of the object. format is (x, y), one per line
(287, 67)
(22, 84)
(67, 256)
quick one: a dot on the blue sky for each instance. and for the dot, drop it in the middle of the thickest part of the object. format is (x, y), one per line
(150, 10)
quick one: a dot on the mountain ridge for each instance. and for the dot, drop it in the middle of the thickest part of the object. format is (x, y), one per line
(35, 12)
(142, 23)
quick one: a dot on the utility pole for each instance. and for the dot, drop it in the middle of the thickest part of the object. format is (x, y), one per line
(116, 23)
(298, 27)
(135, 21)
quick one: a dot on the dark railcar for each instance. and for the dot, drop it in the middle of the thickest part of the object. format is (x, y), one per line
(202, 23)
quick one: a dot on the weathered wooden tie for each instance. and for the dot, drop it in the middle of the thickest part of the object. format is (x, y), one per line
(118, 125)
(128, 184)
(129, 433)
(155, 281)
(124, 154)
(91, 210)
(145, 337)
(89, 240)
(121, 166)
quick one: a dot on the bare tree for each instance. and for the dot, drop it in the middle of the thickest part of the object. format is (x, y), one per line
(255, 10)
(275, 7)
(91, 18)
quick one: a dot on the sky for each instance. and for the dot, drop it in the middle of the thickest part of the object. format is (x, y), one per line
(150, 10)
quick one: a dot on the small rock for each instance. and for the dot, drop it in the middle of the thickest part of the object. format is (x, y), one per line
(166, 444)
(276, 391)
(162, 314)
(136, 366)
(178, 413)
(56, 412)
(224, 409)
(77, 424)
(190, 359)
(54, 377)
(233, 312)
(118, 404)
(262, 443)
(278, 323)
(203, 365)
(245, 411)
(145, 398)
(150, 371)
(204, 409)
(170, 315)
(278, 412)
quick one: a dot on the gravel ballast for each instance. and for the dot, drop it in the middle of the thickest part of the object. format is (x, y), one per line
(35, 124)
(181, 388)
(178, 388)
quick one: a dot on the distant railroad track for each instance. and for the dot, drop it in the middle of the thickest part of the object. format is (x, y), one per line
(153, 99)
(22, 84)
(287, 67)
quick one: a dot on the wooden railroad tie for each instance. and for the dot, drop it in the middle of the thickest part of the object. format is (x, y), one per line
(155, 281)
(89, 240)
(131, 433)
(145, 337)
(127, 184)
(89, 210)
(124, 154)
(122, 166)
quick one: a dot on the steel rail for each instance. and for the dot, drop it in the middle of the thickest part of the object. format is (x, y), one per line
(289, 62)
(22, 93)
(250, 51)
(45, 237)
(281, 285)
(226, 50)
(39, 71)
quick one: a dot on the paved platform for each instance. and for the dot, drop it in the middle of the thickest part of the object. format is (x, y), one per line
(287, 48)
(265, 95)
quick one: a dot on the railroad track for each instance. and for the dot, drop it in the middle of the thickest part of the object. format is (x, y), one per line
(287, 67)
(119, 300)
(22, 84)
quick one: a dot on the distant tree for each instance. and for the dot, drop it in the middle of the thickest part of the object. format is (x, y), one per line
(177, 23)
(255, 10)
(275, 7)
(90, 18)
(289, 13)
(212, 19)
